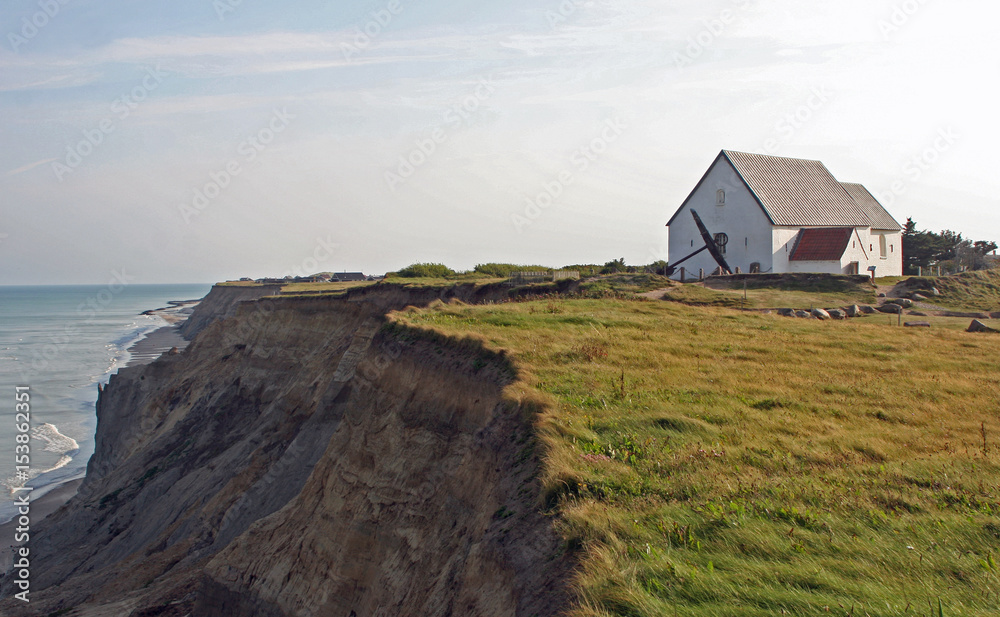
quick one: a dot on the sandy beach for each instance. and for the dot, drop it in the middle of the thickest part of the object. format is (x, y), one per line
(40, 508)
(160, 341)
(144, 351)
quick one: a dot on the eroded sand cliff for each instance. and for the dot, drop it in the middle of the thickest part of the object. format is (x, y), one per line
(301, 459)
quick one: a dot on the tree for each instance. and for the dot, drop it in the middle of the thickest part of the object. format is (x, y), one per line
(983, 247)
(615, 266)
(922, 249)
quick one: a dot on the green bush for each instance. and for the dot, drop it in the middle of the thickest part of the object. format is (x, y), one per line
(506, 270)
(426, 270)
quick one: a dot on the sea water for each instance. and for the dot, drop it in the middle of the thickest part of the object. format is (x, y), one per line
(61, 342)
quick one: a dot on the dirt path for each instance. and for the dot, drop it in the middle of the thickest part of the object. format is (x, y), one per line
(656, 294)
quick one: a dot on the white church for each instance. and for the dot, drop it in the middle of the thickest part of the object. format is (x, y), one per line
(777, 214)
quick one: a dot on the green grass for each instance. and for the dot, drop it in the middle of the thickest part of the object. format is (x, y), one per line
(625, 283)
(466, 277)
(302, 288)
(969, 290)
(695, 294)
(706, 462)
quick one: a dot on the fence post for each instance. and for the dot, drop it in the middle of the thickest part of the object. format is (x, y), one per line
(682, 274)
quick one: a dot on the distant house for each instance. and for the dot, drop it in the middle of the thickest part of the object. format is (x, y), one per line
(347, 277)
(776, 214)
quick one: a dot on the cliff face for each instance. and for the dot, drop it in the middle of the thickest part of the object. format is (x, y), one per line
(299, 459)
(221, 302)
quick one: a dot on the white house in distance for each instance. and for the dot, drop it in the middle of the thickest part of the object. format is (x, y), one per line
(785, 215)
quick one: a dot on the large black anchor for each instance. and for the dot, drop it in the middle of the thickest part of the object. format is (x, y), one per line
(713, 245)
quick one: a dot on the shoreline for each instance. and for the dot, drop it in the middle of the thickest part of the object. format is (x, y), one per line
(162, 340)
(142, 352)
(40, 508)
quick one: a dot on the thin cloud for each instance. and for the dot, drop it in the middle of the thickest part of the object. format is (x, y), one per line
(28, 167)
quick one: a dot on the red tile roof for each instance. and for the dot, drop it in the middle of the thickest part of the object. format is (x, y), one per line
(821, 244)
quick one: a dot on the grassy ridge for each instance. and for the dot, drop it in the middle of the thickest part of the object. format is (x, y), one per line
(709, 462)
(979, 290)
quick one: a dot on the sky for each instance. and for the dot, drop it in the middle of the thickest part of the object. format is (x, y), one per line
(201, 140)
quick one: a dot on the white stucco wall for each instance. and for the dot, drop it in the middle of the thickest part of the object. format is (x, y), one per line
(753, 239)
(741, 218)
(828, 267)
(782, 243)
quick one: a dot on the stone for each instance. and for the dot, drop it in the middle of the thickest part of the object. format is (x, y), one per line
(786, 312)
(868, 310)
(853, 311)
(837, 314)
(819, 313)
(881, 295)
(890, 307)
(961, 314)
(978, 326)
(917, 324)
(935, 292)
(918, 297)
(803, 314)
(903, 302)
(917, 314)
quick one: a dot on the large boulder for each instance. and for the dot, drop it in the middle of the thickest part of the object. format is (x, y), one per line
(972, 315)
(853, 311)
(978, 326)
(786, 312)
(891, 307)
(867, 310)
(903, 302)
(803, 314)
(819, 313)
(917, 297)
(837, 314)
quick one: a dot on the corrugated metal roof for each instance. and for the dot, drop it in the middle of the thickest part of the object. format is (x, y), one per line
(878, 215)
(821, 244)
(797, 192)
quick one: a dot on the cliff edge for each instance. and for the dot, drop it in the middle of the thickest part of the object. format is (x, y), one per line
(301, 458)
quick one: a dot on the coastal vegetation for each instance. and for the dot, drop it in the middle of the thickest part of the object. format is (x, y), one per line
(705, 461)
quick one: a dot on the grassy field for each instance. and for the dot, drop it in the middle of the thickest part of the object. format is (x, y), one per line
(709, 462)
(969, 290)
(304, 288)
